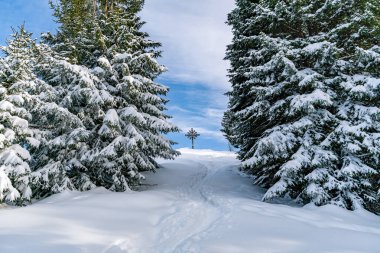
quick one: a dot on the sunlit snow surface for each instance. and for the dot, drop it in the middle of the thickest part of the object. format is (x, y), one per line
(197, 203)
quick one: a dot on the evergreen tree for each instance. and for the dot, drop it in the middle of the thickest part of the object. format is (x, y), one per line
(131, 58)
(31, 120)
(14, 127)
(126, 135)
(304, 106)
(20, 101)
(57, 166)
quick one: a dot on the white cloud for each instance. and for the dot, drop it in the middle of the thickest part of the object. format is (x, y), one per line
(206, 121)
(206, 133)
(194, 37)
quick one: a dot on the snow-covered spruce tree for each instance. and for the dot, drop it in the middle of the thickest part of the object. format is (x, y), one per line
(356, 139)
(15, 134)
(22, 101)
(128, 133)
(40, 119)
(129, 67)
(305, 98)
(58, 166)
(238, 55)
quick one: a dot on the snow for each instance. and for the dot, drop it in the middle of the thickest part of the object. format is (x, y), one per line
(312, 48)
(307, 101)
(6, 106)
(196, 203)
(123, 57)
(17, 99)
(112, 117)
(14, 154)
(131, 112)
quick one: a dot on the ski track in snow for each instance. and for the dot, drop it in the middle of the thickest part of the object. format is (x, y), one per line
(195, 204)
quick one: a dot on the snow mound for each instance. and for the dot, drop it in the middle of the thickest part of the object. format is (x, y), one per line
(206, 152)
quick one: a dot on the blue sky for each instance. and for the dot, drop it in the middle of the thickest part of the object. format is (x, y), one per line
(194, 37)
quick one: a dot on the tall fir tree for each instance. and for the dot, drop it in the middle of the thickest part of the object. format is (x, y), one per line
(15, 76)
(26, 109)
(57, 165)
(304, 107)
(33, 119)
(128, 134)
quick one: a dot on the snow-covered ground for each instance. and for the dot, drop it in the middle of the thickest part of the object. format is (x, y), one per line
(197, 203)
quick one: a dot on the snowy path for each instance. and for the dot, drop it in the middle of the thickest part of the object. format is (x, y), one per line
(199, 212)
(197, 203)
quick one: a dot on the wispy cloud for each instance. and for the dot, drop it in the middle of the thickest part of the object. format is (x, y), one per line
(205, 121)
(194, 37)
(204, 132)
